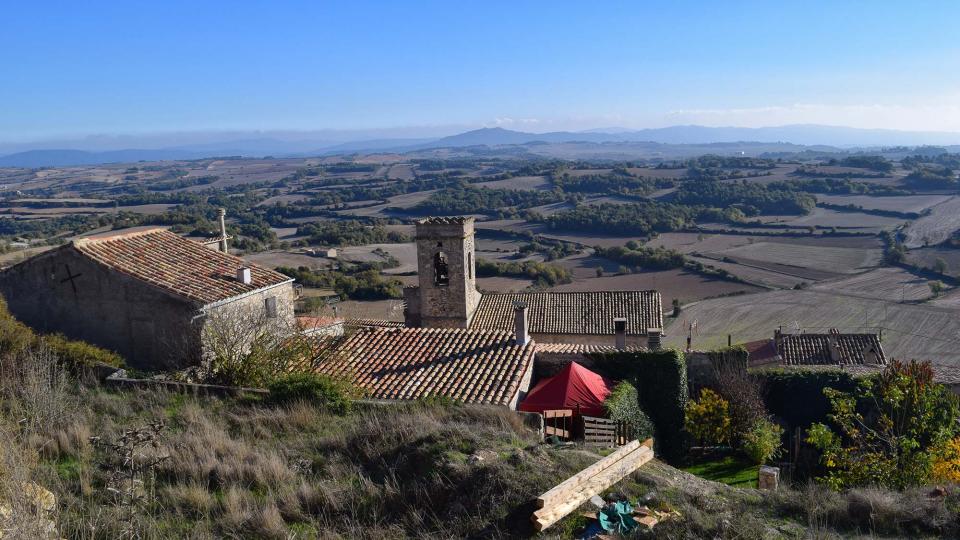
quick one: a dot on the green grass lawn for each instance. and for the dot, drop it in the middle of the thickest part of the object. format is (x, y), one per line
(729, 470)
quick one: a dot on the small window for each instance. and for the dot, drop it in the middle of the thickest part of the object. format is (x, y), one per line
(441, 270)
(470, 265)
(270, 307)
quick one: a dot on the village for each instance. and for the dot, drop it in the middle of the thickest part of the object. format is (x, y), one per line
(578, 368)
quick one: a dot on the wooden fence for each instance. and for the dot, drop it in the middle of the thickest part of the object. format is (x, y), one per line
(605, 432)
(558, 423)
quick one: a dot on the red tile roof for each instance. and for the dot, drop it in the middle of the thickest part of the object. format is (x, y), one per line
(381, 323)
(571, 312)
(814, 349)
(581, 348)
(410, 363)
(175, 264)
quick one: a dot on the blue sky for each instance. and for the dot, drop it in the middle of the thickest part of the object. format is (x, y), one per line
(76, 68)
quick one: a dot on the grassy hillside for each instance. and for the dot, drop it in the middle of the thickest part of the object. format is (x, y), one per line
(154, 464)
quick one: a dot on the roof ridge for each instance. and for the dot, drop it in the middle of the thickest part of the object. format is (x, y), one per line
(119, 236)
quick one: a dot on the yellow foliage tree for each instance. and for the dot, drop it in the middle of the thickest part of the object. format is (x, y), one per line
(946, 462)
(708, 418)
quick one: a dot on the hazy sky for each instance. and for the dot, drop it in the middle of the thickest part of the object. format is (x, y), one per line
(95, 67)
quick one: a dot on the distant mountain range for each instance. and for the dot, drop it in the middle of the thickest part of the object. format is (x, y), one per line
(817, 136)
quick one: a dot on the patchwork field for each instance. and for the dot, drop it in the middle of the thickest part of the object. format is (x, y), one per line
(925, 332)
(909, 203)
(932, 229)
(827, 259)
(891, 283)
(405, 253)
(527, 183)
(927, 257)
(822, 217)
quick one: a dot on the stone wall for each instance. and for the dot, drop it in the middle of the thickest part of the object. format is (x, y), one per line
(453, 304)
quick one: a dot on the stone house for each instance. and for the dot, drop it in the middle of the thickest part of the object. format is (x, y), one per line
(447, 297)
(147, 294)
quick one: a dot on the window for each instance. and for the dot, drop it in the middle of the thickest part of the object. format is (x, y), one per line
(470, 265)
(441, 270)
(270, 307)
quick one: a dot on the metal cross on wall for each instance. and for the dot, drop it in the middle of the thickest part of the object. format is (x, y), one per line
(70, 277)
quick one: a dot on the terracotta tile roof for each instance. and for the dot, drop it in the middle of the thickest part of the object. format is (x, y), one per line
(379, 323)
(812, 349)
(307, 322)
(580, 348)
(409, 363)
(761, 352)
(571, 312)
(176, 264)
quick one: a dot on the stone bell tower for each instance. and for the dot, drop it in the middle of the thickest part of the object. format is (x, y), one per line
(447, 296)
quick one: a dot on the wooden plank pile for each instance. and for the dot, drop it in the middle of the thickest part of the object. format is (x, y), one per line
(574, 491)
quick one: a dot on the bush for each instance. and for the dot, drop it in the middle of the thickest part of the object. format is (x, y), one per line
(80, 353)
(762, 442)
(318, 389)
(946, 462)
(623, 405)
(708, 419)
(660, 378)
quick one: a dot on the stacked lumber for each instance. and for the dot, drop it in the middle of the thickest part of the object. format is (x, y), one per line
(576, 490)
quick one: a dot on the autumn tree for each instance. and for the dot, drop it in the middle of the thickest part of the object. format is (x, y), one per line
(888, 430)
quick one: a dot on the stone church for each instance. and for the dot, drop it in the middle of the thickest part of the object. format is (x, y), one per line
(447, 297)
(146, 294)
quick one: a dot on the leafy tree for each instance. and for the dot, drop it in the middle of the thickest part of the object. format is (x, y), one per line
(708, 418)
(886, 430)
(936, 287)
(940, 266)
(761, 442)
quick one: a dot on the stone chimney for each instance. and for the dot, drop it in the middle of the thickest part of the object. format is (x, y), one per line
(223, 230)
(653, 338)
(520, 327)
(620, 329)
(832, 345)
(244, 275)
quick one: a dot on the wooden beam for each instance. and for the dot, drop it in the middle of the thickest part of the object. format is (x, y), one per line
(547, 516)
(556, 493)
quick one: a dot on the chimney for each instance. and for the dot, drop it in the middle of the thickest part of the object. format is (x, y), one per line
(620, 329)
(832, 347)
(244, 276)
(223, 230)
(520, 323)
(653, 338)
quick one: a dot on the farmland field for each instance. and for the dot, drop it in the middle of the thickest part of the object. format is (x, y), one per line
(518, 182)
(932, 229)
(927, 257)
(909, 203)
(827, 259)
(924, 332)
(822, 217)
(894, 284)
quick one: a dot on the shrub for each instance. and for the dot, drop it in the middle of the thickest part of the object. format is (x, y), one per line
(708, 419)
(660, 378)
(946, 462)
(623, 405)
(80, 353)
(762, 442)
(887, 430)
(319, 389)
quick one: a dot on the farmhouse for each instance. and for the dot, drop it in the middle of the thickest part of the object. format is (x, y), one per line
(447, 297)
(145, 293)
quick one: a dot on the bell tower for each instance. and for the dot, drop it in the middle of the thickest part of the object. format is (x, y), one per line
(447, 296)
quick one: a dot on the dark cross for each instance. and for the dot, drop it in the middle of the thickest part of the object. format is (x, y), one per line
(70, 277)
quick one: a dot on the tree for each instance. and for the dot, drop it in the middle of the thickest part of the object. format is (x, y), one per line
(761, 442)
(940, 266)
(708, 418)
(887, 430)
(599, 271)
(936, 287)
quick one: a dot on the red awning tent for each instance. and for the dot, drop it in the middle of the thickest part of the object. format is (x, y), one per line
(574, 385)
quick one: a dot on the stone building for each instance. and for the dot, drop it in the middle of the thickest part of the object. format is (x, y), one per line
(447, 297)
(146, 293)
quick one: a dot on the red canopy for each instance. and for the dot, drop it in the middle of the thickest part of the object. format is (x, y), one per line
(574, 385)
